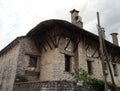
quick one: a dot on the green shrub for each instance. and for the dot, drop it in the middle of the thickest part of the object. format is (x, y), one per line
(82, 75)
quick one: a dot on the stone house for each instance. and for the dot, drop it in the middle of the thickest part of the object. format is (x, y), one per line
(51, 51)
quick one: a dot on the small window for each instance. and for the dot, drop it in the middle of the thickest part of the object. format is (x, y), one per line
(68, 44)
(89, 65)
(32, 62)
(67, 63)
(115, 69)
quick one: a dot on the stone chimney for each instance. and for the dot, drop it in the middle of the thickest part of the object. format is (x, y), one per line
(115, 39)
(103, 32)
(76, 19)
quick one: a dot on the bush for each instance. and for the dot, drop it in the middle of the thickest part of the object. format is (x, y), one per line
(96, 84)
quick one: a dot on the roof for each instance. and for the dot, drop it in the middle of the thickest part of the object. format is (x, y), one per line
(46, 25)
(11, 45)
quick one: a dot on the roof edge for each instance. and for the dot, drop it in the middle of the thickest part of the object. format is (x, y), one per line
(11, 45)
(52, 22)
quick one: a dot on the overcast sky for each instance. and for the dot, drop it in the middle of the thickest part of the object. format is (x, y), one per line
(17, 17)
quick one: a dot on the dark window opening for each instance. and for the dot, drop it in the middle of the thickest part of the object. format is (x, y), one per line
(115, 69)
(105, 66)
(67, 63)
(32, 61)
(89, 65)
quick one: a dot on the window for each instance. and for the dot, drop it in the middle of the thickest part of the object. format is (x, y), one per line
(33, 62)
(88, 52)
(115, 69)
(68, 44)
(89, 65)
(67, 63)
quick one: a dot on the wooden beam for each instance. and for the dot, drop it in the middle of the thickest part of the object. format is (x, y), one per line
(49, 36)
(33, 54)
(119, 60)
(57, 42)
(76, 45)
(37, 44)
(94, 52)
(110, 58)
(116, 59)
(41, 43)
(44, 47)
(48, 44)
(87, 47)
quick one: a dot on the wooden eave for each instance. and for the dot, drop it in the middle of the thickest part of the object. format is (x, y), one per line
(47, 25)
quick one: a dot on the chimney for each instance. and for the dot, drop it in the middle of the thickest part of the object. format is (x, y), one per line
(103, 32)
(114, 38)
(76, 19)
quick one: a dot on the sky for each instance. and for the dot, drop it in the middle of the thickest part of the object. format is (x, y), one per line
(17, 17)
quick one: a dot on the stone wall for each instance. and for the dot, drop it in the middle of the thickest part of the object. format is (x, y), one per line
(96, 62)
(50, 86)
(53, 66)
(52, 61)
(8, 66)
(58, 86)
(27, 49)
